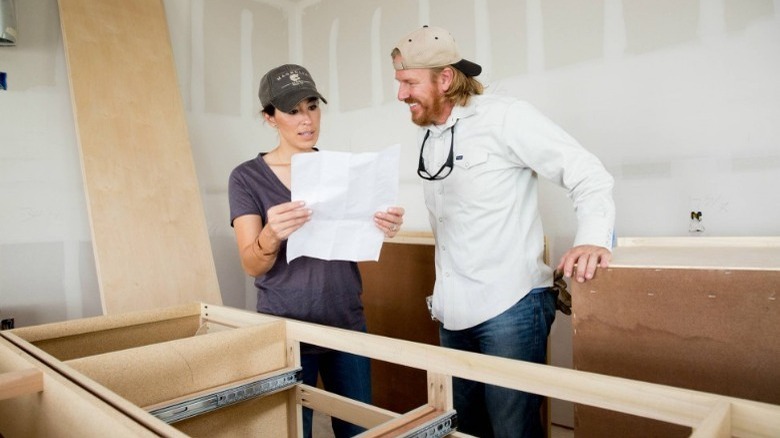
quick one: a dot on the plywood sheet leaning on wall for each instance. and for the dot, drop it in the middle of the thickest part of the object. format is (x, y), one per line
(148, 226)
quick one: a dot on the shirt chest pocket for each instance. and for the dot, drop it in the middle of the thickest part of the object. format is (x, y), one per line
(472, 162)
(478, 175)
(470, 175)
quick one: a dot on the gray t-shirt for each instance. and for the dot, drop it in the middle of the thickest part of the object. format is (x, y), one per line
(307, 289)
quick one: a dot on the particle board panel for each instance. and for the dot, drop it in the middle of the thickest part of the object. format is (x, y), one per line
(702, 318)
(260, 417)
(91, 336)
(157, 373)
(61, 408)
(148, 226)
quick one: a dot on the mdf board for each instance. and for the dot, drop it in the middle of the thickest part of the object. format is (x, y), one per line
(157, 365)
(47, 404)
(701, 315)
(148, 226)
(394, 291)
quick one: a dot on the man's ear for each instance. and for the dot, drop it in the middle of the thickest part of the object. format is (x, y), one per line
(445, 79)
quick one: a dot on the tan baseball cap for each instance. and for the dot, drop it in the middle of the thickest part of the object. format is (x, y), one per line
(430, 47)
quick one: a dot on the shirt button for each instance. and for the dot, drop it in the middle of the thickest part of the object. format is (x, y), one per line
(441, 219)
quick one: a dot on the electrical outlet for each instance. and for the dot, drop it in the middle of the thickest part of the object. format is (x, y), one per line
(696, 225)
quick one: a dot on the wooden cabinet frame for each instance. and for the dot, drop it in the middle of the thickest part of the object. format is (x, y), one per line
(708, 415)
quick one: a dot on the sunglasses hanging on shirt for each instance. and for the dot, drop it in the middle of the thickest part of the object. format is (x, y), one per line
(447, 166)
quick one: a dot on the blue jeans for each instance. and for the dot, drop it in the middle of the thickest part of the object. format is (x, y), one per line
(518, 333)
(343, 374)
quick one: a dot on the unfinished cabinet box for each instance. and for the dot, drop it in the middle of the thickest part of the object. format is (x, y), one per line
(155, 367)
(154, 359)
(206, 370)
(698, 313)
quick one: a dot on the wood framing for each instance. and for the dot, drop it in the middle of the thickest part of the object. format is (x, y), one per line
(694, 313)
(397, 309)
(205, 359)
(149, 232)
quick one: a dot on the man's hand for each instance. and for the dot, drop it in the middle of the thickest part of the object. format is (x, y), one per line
(585, 259)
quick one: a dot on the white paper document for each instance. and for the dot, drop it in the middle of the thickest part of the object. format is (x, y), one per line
(343, 190)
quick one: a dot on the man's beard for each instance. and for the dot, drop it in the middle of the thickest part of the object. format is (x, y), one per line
(428, 115)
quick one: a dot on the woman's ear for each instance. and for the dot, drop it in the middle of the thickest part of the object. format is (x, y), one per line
(271, 120)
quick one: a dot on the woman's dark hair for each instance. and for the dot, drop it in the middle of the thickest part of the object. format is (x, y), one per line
(271, 110)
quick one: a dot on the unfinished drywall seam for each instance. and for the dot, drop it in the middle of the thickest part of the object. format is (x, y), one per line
(247, 74)
(377, 56)
(333, 66)
(482, 39)
(294, 14)
(198, 87)
(424, 12)
(535, 36)
(614, 30)
(712, 19)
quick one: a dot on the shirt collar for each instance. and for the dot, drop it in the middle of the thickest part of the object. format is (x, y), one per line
(458, 112)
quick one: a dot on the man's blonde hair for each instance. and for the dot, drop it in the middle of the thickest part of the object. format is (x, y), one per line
(462, 86)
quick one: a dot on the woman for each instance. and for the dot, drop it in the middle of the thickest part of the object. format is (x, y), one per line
(264, 216)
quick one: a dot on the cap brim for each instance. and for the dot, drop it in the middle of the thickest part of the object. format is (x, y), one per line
(468, 68)
(288, 102)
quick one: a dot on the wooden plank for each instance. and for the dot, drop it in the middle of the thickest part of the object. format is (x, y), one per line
(355, 412)
(715, 257)
(21, 382)
(412, 238)
(397, 426)
(750, 253)
(702, 242)
(440, 391)
(148, 226)
(717, 424)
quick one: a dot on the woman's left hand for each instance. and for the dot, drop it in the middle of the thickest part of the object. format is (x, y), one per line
(390, 221)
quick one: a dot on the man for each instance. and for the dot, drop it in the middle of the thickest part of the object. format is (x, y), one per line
(480, 156)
